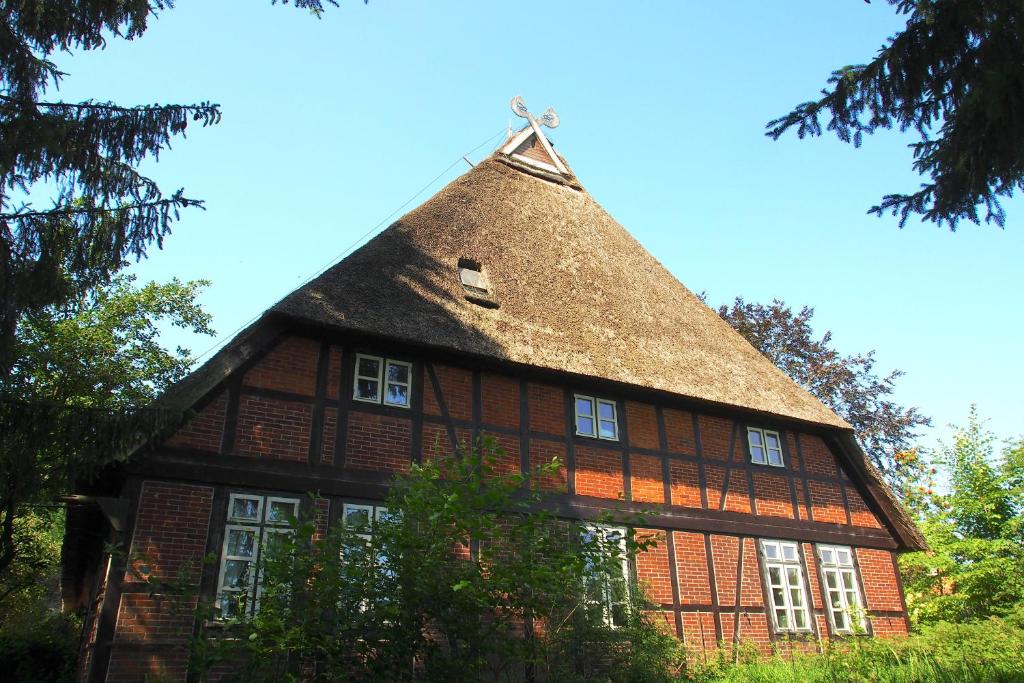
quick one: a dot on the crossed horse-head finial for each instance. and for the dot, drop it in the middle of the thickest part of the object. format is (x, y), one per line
(548, 118)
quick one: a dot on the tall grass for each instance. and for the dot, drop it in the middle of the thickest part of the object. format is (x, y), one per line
(992, 650)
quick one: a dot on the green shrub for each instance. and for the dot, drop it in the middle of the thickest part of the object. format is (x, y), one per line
(41, 651)
(990, 650)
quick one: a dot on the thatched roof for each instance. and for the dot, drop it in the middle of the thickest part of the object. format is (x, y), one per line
(575, 292)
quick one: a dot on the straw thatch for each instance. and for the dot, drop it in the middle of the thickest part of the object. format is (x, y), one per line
(575, 292)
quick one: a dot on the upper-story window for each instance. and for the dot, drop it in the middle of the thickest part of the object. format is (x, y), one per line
(253, 522)
(597, 418)
(765, 447)
(844, 604)
(785, 579)
(382, 380)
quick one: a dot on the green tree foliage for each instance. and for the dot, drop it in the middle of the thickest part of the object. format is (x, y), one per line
(466, 578)
(975, 568)
(955, 76)
(846, 384)
(83, 372)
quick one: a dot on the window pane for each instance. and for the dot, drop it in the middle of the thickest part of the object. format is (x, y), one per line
(236, 573)
(278, 511)
(774, 457)
(843, 557)
(834, 600)
(245, 508)
(757, 455)
(608, 429)
(783, 618)
(771, 551)
(792, 576)
(848, 580)
(367, 388)
(826, 556)
(585, 425)
(357, 516)
(830, 580)
(369, 367)
(398, 395)
(778, 596)
(398, 373)
(755, 437)
(241, 542)
(584, 406)
(796, 597)
(789, 552)
(840, 619)
(773, 440)
(801, 618)
(605, 410)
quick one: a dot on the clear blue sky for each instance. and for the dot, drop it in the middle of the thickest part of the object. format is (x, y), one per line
(331, 125)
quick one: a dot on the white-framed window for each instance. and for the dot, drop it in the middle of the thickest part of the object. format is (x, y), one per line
(608, 591)
(784, 576)
(845, 607)
(381, 380)
(765, 447)
(252, 521)
(596, 418)
(363, 517)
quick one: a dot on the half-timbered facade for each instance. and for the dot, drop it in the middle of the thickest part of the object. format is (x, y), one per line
(509, 304)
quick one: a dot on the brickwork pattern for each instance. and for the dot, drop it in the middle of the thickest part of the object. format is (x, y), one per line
(652, 567)
(715, 437)
(290, 366)
(378, 442)
(329, 435)
(647, 482)
(547, 408)
(679, 431)
(598, 472)
(205, 430)
(541, 453)
(642, 424)
(500, 398)
(171, 526)
(457, 389)
(819, 459)
(271, 428)
(772, 494)
(684, 483)
(827, 500)
(881, 585)
(333, 371)
(692, 568)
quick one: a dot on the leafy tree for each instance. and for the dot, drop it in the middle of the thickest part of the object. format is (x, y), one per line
(466, 578)
(83, 371)
(975, 568)
(846, 384)
(955, 75)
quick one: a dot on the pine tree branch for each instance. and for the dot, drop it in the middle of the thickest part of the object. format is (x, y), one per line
(66, 212)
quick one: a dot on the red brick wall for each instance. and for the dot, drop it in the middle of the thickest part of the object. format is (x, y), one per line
(642, 423)
(205, 430)
(652, 567)
(599, 472)
(647, 483)
(168, 545)
(290, 366)
(500, 398)
(457, 388)
(679, 432)
(827, 500)
(271, 428)
(715, 437)
(170, 532)
(772, 494)
(685, 483)
(378, 442)
(547, 408)
(541, 453)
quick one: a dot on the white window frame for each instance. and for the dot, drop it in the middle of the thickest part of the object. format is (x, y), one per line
(595, 417)
(784, 556)
(382, 381)
(379, 378)
(838, 599)
(261, 527)
(408, 384)
(763, 433)
(607, 599)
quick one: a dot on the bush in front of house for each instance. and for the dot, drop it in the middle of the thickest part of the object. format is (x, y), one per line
(991, 650)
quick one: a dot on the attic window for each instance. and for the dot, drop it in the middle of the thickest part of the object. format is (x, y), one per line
(765, 447)
(476, 283)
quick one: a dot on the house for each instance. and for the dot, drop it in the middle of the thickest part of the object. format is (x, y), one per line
(511, 304)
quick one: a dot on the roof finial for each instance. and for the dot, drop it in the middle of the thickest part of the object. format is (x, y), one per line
(547, 160)
(548, 118)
